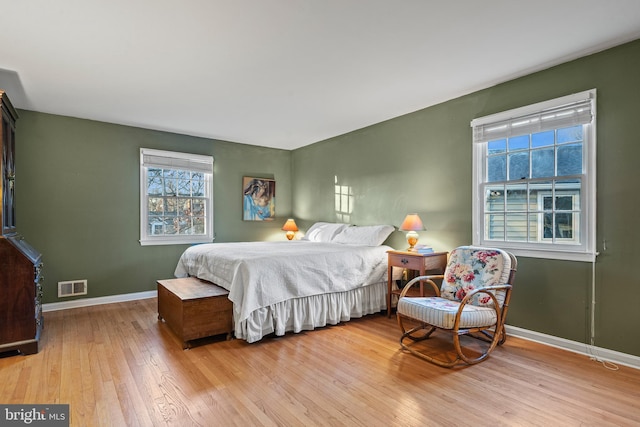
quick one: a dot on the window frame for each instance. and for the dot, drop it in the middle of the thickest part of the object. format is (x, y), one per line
(152, 158)
(562, 249)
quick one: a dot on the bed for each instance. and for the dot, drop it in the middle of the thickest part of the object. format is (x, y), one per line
(336, 272)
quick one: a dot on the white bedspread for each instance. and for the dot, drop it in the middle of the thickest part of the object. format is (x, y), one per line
(260, 274)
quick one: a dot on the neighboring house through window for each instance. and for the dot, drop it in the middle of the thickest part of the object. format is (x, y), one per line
(176, 198)
(534, 179)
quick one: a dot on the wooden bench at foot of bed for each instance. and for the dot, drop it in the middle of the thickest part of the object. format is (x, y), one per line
(194, 309)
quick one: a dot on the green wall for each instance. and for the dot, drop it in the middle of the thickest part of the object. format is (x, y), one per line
(422, 162)
(77, 199)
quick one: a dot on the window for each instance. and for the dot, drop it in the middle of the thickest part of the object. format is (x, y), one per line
(534, 179)
(176, 200)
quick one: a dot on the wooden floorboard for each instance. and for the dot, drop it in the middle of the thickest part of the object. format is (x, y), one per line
(117, 365)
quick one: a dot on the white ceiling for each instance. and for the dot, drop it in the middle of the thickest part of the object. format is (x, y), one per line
(284, 73)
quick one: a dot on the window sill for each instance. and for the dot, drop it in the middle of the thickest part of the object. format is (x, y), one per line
(176, 241)
(547, 254)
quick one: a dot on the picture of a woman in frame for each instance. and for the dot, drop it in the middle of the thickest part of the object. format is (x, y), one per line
(259, 197)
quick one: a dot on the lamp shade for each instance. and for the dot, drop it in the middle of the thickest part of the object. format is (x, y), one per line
(290, 225)
(412, 222)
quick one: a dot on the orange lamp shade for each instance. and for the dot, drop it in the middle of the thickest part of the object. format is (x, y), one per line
(290, 227)
(412, 223)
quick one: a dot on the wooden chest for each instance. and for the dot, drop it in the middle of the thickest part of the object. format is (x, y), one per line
(193, 308)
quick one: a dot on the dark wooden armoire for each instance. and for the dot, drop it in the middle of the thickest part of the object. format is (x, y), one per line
(20, 263)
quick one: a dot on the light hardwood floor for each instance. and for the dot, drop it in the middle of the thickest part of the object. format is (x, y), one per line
(116, 365)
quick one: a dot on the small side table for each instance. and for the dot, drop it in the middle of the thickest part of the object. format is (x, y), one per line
(434, 263)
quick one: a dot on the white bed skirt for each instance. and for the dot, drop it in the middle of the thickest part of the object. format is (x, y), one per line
(305, 314)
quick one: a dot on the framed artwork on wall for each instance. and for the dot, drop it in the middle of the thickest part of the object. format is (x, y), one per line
(258, 199)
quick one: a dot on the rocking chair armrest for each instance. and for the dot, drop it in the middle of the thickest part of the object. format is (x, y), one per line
(503, 287)
(485, 290)
(427, 279)
(468, 296)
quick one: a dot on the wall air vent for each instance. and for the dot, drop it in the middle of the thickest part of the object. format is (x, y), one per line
(72, 288)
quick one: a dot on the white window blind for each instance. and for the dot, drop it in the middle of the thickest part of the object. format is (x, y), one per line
(521, 121)
(172, 160)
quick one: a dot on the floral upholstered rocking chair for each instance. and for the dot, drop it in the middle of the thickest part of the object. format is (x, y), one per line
(473, 300)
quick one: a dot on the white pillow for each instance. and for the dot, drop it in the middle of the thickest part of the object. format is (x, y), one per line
(323, 231)
(365, 235)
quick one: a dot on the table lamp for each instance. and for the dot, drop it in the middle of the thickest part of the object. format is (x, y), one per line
(290, 227)
(412, 223)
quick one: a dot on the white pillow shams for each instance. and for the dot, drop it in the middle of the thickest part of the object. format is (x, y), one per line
(323, 231)
(366, 235)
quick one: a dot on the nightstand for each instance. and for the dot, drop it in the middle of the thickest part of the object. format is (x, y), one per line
(423, 264)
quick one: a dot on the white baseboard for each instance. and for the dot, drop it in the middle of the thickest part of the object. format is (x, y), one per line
(574, 346)
(597, 353)
(87, 302)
